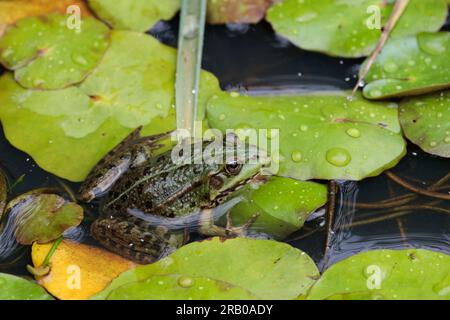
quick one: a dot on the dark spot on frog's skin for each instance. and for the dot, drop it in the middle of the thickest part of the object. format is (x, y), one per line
(216, 182)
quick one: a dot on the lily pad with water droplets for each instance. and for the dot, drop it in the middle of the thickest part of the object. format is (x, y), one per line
(348, 28)
(266, 269)
(43, 218)
(321, 135)
(16, 288)
(68, 131)
(46, 54)
(283, 205)
(138, 15)
(388, 275)
(426, 122)
(237, 11)
(410, 66)
(179, 287)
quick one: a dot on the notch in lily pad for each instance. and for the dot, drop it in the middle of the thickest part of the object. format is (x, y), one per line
(45, 53)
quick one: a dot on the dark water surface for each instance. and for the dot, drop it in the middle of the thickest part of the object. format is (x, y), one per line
(254, 59)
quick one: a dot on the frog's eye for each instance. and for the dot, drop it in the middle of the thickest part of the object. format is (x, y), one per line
(233, 168)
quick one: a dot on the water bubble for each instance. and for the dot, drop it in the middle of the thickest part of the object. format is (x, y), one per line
(79, 59)
(338, 157)
(304, 127)
(447, 140)
(390, 67)
(296, 156)
(375, 93)
(433, 144)
(353, 132)
(185, 282)
(307, 16)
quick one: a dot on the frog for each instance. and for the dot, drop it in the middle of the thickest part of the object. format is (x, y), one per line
(150, 204)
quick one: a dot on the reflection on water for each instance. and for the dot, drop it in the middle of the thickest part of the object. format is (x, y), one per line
(254, 59)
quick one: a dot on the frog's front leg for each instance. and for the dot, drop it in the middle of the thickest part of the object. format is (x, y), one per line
(131, 152)
(208, 227)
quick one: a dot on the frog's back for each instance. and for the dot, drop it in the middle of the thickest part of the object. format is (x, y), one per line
(160, 188)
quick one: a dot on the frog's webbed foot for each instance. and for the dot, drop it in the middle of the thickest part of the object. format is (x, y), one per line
(241, 231)
(131, 152)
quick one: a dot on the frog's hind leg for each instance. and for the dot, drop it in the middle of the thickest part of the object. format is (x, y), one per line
(135, 240)
(131, 152)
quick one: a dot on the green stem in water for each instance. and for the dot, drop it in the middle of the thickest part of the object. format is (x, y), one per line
(44, 269)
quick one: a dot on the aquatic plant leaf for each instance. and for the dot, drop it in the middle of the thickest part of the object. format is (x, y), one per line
(410, 66)
(139, 15)
(321, 135)
(179, 287)
(267, 269)
(346, 28)
(426, 122)
(43, 218)
(413, 274)
(3, 193)
(16, 288)
(13, 10)
(46, 54)
(68, 131)
(283, 205)
(237, 11)
(86, 269)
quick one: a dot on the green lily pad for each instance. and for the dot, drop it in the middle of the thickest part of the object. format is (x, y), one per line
(409, 66)
(3, 193)
(43, 218)
(68, 131)
(425, 121)
(266, 269)
(340, 28)
(321, 135)
(283, 205)
(15, 288)
(139, 15)
(178, 287)
(46, 54)
(237, 11)
(387, 274)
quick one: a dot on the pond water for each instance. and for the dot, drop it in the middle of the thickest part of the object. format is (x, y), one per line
(253, 59)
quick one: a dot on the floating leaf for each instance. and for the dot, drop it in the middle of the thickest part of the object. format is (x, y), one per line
(139, 15)
(322, 136)
(178, 287)
(237, 11)
(3, 193)
(387, 274)
(13, 10)
(348, 28)
(425, 121)
(68, 131)
(46, 54)
(267, 269)
(410, 66)
(15, 288)
(282, 204)
(78, 271)
(43, 218)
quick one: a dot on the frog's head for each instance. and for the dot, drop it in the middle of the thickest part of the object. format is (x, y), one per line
(236, 172)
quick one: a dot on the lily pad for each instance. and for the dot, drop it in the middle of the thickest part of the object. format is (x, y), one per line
(68, 131)
(267, 269)
(387, 274)
(46, 54)
(13, 10)
(341, 27)
(283, 205)
(44, 218)
(409, 66)
(425, 121)
(178, 287)
(3, 193)
(321, 135)
(15, 288)
(237, 11)
(138, 15)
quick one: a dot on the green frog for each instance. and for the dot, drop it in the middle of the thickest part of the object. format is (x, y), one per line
(151, 203)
